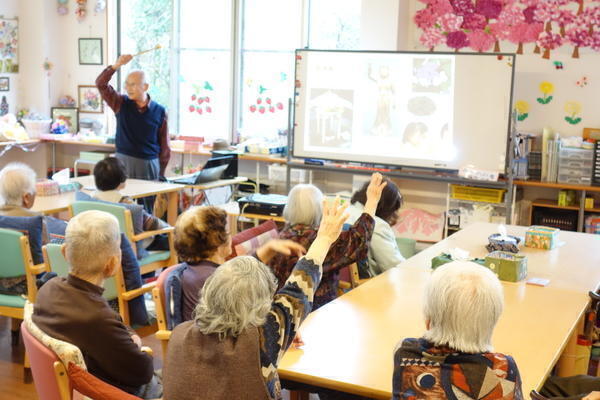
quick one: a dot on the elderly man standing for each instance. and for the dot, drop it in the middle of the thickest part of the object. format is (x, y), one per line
(454, 358)
(72, 309)
(142, 138)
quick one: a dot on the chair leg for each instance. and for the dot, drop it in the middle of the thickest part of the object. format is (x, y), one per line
(15, 333)
(298, 395)
(27, 376)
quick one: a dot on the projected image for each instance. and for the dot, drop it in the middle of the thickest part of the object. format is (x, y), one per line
(422, 106)
(432, 75)
(380, 75)
(331, 117)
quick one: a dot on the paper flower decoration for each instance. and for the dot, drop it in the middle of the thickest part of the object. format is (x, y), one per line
(573, 109)
(547, 89)
(489, 8)
(578, 36)
(457, 40)
(480, 40)
(549, 41)
(431, 38)
(59, 127)
(462, 7)
(522, 109)
(474, 21)
(450, 22)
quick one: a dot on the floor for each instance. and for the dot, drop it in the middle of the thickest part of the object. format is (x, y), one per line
(12, 385)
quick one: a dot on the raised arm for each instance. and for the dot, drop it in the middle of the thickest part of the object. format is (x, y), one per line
(108, 93)
(294, 301)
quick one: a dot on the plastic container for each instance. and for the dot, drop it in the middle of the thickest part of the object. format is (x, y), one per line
(576, 154)
(36, 127)
(472, 193)
(569, 163)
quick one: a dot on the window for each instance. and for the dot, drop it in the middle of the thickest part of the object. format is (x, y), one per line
(230, 66)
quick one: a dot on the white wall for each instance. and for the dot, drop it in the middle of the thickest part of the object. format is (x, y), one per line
(379, 24)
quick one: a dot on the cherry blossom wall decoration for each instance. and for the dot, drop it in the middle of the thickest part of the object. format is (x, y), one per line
(485, 25)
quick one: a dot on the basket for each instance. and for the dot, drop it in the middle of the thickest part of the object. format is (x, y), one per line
(36, 127)
(472, 193)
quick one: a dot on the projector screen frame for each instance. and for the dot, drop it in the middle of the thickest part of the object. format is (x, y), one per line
(510, 118)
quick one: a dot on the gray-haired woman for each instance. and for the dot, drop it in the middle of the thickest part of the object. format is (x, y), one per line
(242, 327)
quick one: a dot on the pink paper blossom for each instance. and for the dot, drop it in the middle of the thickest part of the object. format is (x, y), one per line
(591, 16)
(425, 18)
(463, 7)
(529, 14)
(534, 31)
(431, 38)
(474, 21)
(511, 15)
(518, 34)
(480, 40)
(549, 41)
(489, 8)
(450, 22)
(595, 41)
(578, 36)
(500, 30)
(457, 40)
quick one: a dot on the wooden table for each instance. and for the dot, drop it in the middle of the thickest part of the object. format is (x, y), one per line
(349, 343)
(135, 188)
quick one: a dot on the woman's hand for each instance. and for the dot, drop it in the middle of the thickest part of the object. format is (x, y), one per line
(334, 216)
(286, 247)
(374, 191)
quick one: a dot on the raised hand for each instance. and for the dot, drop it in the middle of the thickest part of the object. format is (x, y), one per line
(122, 60)
(285, 247)
(374, 191)
(334, 216)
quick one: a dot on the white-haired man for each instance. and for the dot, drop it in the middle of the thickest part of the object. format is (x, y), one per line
(72, 309)
(454, 358)
(17, 190)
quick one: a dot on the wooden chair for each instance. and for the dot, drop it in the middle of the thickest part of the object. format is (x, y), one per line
(251, 239)
(156, 259)
(158, 294)
(17, 261)
(114, 287)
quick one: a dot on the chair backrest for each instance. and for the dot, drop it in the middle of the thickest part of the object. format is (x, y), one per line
(13, 254)
(407, 247)
(122, 214)
(251, 239)
(57, 263)
(159, 297)
(45, 367)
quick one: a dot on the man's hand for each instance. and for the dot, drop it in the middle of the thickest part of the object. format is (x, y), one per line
(285, 247)
(334, 216)
(374, 191)
(592, 396)
(122, 60)
(136, 339)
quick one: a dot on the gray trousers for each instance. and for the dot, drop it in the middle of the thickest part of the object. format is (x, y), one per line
(138, 168)
(572, 387)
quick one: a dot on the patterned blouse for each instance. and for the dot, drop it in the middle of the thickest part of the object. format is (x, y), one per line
(424, 371)
(351, 246)
(290, 307)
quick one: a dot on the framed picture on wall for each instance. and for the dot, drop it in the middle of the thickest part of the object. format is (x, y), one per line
(4, 84)
(90, 100)
(68, 114)
(90, 51)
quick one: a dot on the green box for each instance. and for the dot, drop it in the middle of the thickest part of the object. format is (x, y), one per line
(508, 266)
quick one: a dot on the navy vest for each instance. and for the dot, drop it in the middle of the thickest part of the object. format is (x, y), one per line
(137, 133)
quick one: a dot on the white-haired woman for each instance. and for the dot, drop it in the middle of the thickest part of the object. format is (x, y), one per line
(454, 358)
(302, 214)
(242, 326)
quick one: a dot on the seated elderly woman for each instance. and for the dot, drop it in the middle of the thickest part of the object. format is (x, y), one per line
(203, 242)
(303, 214)
(383, 248)
(454, 358)
(17, 190)
(242, 326)
(73, 310)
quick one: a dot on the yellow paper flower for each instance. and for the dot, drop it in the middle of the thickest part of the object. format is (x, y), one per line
(546, 87)
(573, 108)
(522, 107)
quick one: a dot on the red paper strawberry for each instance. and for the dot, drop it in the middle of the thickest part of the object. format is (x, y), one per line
(258, 101)
(252, 108)
(192, 108)
(261, 110)
(280, 106)
(193, 97)
(200, 100)
(199, 110)
(208, 109)
(268, 100)
(207, 99)
(272, 109)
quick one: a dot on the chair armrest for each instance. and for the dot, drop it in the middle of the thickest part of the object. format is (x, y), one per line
(163, 335)
(147, 234)
(38, 269)
(147, 350)
(132, 294)
(344, 285)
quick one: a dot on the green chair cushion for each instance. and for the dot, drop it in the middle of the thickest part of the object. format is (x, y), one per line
(12, 301)
(155, 256)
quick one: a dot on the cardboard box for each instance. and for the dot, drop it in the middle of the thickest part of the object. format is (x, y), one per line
(541, 237)
(508, 266)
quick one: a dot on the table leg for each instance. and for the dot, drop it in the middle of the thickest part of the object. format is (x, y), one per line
(566, 362)
(172, 198)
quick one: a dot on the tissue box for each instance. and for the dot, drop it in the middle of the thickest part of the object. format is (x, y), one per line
(70, 187)
(541, 237)
(508, 266)
(497, 243)
(46, 188)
